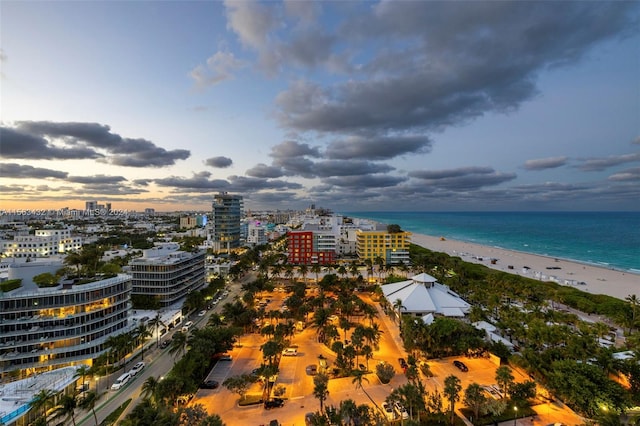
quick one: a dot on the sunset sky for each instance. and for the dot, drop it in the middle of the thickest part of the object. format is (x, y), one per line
(352, 106)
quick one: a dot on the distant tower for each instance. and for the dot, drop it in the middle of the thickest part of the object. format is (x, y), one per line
(91, 205)
(225, 221)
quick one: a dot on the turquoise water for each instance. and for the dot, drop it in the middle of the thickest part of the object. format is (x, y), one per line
(608, 239)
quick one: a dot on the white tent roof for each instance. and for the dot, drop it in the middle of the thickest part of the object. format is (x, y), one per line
(417, 297)
(423, 278)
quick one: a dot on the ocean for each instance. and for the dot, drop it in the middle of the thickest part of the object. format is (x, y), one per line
(606, 239)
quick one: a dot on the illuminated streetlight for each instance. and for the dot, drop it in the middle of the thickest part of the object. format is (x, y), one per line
(515, 419)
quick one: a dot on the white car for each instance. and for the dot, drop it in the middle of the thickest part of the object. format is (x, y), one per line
(121, 381)
(388, 411)
(136, 368)
(202, 313)
(290, 352)
(402, 412)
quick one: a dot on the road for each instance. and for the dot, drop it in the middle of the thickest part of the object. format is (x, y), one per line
(159, 363)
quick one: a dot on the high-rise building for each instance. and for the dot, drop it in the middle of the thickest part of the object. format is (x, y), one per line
(225, 221)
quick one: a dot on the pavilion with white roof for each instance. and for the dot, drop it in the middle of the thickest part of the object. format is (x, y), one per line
(423, 296)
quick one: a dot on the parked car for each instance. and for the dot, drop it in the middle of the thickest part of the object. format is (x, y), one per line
(137, 368)
(312, 370)
(165, 343)
(202, 313)
(210, 384)
(403, 363)
(402, 412)
(273, 403)
(225, 357)
(121, 381)
(290, 352)
(308, 419)
(388, 411)
(461, 366)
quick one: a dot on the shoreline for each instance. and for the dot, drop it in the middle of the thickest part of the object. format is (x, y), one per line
(583, 276)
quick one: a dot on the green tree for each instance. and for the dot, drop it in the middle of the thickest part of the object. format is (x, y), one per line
(321, 389)
(504, 378)
(178, 344)
(385, 372)
(88, 402)
(67, 408)
(452, 388)
(239, 384)
(150, 388)
(45, 280)
(42, 401)
(141, 333)
(156, 323)
(474, 398)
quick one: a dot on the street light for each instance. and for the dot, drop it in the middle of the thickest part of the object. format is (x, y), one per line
(515, 419)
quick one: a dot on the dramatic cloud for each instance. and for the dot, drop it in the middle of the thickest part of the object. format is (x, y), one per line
(545, 163)
(463, 179)
(19, 171)
(435, 64)
(41, 140)
(220, 67)
(219, 162)
(599, 164)
(251, 21)
(377, 148)
(347, 168)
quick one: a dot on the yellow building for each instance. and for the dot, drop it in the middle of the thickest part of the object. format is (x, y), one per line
(392, 247)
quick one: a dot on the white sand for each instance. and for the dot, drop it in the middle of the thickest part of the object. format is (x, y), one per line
(588, 278)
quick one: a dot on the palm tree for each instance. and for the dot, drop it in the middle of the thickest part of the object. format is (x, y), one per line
(321, 389)
(42, 401)
(141, 332)
(634, 301)
(150, 388)
(452, 388)
(81, 372)
(89, 403)
(303, 270)
(178, 344)
(504, 379)
(156, 322)
(316, 269)
(67, 408)
(474, 398)
(359, 376)
(397, 305)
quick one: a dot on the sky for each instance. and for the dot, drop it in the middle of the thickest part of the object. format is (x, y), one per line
(348, 105)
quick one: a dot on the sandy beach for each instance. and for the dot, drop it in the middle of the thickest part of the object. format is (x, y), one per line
(588, 278)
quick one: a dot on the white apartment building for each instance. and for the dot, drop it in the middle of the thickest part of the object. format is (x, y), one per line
(256, 234)
(45, 242)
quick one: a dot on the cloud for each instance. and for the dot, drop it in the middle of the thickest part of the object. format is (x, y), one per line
(366, 181)
(377, 148)
(629, 175)
(463, 179)
(220, 66)
(347, 168)
(545, 163)
(18, 144)
(71, 140)
(218, 162)
(599, 164)
(19, 171)
(432, 65)
(97, 179)
(251, 21)
(636, 141)
(263, 171)
(290, 149)
(199, 181)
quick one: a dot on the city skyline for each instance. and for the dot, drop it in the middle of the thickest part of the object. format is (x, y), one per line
(353, 106)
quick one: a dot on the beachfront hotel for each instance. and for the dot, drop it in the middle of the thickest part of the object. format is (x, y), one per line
(392, 247)
(43, 329)
(166, 274)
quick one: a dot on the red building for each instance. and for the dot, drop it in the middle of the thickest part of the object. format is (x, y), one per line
(302, 249)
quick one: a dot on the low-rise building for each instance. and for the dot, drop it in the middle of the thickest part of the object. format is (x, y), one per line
(392, 247)
(167, 274)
